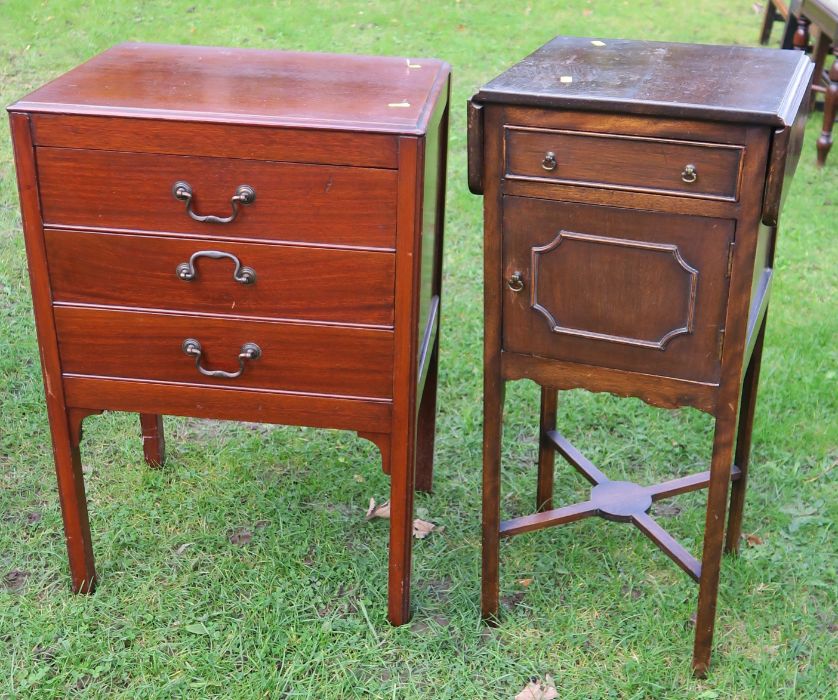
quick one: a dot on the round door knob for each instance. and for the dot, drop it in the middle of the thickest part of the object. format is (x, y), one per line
(549, 163)
(689, 174)
(516, 282)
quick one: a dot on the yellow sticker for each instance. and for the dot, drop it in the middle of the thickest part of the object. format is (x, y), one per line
(597, 42)
(399, 104)
(566, 79)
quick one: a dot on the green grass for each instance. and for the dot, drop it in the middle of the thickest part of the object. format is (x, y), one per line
(300, 610)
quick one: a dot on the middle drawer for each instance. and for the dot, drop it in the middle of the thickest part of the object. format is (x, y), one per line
(293, 282)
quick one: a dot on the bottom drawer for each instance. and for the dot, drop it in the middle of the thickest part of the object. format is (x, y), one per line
(294, 357)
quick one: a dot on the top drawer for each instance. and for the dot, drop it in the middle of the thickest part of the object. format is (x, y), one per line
(635, 163)
(293, 202)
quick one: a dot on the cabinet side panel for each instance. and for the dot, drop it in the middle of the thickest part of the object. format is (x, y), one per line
(33, 232)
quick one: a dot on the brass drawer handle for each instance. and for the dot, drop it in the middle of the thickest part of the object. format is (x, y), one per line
(516, 282)
(245, 194)
(549, 162)
(689, 174)
(242, 273)
(248, 351)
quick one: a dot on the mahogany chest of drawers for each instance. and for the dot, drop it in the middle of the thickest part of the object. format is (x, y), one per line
(631, 193)
(239, 234)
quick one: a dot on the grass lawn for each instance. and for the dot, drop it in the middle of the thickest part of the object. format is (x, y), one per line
(186, 608)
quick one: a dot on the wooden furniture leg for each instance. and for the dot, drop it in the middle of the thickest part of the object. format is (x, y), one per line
(800, 40)
(154, 443)
(426, 429)
(493, 396)
(402, 485)
(775, 10)
(66, 437)
(714, 530)
(830, 106)
(743, 445)
(546, 449)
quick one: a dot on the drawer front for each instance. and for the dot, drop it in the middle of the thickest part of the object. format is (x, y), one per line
(320, 204)
(294, 357)
(619, 288)
(634, 163)
(293, 282)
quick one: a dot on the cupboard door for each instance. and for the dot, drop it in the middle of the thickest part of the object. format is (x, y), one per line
(635, 290)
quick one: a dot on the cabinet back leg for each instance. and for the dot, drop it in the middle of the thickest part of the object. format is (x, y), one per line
(426, 428)
(743, 446)
(546, 449)
(154, 444)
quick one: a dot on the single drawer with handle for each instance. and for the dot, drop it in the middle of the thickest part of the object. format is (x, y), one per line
(313, 359)
(221, 197)
(641, 164)
(239, 279)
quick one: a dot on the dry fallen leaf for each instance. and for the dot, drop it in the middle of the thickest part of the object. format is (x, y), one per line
(753, 540)
(421, 528)
(180, 550)
(525, 581)
(375, 511)
(536, 690)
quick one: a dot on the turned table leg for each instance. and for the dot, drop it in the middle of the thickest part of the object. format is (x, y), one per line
(546, 449)
(830, 105)
(154, 444)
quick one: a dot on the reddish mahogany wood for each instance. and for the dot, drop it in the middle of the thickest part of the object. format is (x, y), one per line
(256, 405)
(624, 162)
(154, 445)
(249, 86)
(605, 271)
(225, 140)
(431, 284)
(140, 271)
(346, 155)
(314, 359)
(300, 203)
(65, 429)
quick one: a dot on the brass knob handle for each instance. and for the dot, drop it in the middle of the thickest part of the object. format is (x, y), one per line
(248, 351)
(516, 282)
(241, 273)
(689, 174)
(244, 194)
(549, 162)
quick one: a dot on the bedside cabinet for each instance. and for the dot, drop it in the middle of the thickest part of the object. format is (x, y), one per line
(631, 194)
(242, 235)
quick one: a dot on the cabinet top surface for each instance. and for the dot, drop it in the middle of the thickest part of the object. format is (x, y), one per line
(248, 86)
(726, 83)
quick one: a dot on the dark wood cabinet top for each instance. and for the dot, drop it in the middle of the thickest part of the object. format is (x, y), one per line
(724, 83)
(248, 86)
